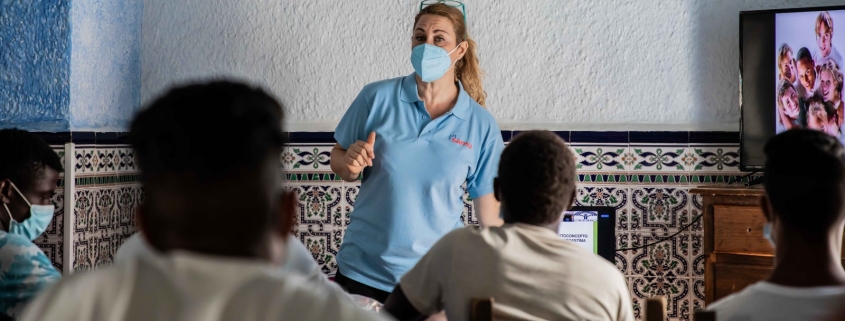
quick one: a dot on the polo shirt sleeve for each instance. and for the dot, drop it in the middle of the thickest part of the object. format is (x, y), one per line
(353, 125)
(424, 284)
(480, 183)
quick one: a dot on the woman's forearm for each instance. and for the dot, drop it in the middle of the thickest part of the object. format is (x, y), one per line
(339, 167)
(487, 208)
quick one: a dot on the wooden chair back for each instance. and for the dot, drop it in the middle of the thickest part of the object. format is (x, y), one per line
(704, 316)
(481, 309)
(655, 309)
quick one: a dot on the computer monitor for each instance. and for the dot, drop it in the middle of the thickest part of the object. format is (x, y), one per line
(591, 227)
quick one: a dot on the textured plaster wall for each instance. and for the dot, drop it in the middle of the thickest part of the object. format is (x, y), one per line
(581, 65)
(34, 64)
(105, 64)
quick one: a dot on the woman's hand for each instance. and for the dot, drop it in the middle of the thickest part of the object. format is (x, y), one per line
(350, 163)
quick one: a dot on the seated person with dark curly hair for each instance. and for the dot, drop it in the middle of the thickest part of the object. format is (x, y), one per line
(29, 170)
(525, 266)
(217, 219)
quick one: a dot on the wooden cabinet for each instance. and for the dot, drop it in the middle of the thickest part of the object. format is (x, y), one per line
(737, 254)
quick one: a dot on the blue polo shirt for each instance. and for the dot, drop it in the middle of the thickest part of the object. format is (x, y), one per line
(412, 194)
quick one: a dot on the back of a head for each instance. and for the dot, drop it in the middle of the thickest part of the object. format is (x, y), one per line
(208, 156)
(805, 179)
(536, 178)
(23, 156)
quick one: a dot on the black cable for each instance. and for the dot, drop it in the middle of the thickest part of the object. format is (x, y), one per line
(739, 179)
(665, 239)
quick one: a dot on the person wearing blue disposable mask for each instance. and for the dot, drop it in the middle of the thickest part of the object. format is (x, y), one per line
(29, 171)
(414, 141)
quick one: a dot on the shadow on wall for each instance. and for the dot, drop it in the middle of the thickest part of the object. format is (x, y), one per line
(715, 45)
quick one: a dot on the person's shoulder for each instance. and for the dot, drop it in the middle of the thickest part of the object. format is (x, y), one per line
(100, 288)
(482, 114)
(382, 86)
(16, 247)
(299, 299)
(732, 303)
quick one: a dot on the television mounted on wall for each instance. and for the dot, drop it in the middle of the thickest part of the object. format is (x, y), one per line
(791, 70)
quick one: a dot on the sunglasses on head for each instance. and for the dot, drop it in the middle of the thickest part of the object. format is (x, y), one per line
(451, 3)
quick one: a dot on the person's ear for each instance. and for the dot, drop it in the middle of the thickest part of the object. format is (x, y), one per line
(572, 198)
(496, 190)
(287, 214)
(463, 50)
(766, 206)
(6, 191)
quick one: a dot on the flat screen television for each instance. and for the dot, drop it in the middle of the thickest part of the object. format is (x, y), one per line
(791, 67)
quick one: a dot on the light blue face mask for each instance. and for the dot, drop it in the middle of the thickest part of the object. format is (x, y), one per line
(767, 233)
(36, 224)
(431, 62)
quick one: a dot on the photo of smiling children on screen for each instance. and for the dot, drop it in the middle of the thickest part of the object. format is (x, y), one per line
(809, 84)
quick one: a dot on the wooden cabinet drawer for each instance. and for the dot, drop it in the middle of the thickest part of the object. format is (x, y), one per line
(730, 278)
(739, 229)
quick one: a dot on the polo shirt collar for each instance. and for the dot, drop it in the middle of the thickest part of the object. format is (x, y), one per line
(409, 95)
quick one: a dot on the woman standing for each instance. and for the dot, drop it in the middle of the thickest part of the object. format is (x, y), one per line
(416, 140)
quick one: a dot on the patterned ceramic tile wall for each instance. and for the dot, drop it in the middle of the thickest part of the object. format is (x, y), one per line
(645, 176)
(107, 194)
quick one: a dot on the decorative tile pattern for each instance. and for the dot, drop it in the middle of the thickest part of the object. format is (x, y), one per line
(721, 158)
(97, 160)
(104, 216)
(601, 158)
(323, 246)
(600, 195)
(647, 183)
(659, 209)
(659, 158)
(319, 207)
(307, 158)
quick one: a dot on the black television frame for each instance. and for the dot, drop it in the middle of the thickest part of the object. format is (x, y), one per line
(606, 237)
(743, 165)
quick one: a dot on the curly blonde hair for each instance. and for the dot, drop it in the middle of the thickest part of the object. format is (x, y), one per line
(833, 69)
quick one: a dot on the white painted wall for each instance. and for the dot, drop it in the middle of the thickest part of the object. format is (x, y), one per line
(554, 64)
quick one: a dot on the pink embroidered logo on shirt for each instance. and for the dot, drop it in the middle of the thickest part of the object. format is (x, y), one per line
(454, 139)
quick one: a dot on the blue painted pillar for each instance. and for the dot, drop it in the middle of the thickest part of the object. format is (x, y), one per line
(35, 64)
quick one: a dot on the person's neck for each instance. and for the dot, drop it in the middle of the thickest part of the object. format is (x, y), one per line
(261, 251)
(439, 95)
(808, 262)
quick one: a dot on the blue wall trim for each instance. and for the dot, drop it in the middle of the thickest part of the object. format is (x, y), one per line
(576, 137)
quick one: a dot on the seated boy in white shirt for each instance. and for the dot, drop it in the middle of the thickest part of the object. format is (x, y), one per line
(215, 210)
(529, 271)
(805, 215)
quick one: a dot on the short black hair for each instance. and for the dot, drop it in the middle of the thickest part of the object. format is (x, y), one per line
(804, 53)
(23, 157)
(804, 178)
(536, 177)
(207, 132)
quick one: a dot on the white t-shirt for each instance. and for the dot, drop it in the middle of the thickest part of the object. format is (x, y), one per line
(183, 286)
(772, 302)
(297, 259)
(531, 273)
